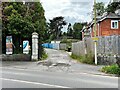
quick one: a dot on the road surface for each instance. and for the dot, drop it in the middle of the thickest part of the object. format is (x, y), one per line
(22, 78)
(30, 75)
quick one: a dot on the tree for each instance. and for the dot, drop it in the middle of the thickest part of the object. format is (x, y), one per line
(55, 26)
(113, 7)
(100, 8)
(21, 21)
(69, 30)
(12, 22)
(77, 27)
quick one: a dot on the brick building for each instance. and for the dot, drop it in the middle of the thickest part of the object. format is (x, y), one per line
(107, 25)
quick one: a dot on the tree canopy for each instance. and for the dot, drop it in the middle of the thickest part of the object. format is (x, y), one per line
(69, 30)
(55, 25)
(100, 8)
(21, 20)
(112, 7)
(77, 27)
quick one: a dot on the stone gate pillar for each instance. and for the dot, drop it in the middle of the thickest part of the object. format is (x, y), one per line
(34, 46)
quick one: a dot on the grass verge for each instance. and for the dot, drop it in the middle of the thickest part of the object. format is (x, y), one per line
(88, 58)
(111, 69)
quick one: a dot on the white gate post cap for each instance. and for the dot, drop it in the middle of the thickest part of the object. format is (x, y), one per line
(34, 35)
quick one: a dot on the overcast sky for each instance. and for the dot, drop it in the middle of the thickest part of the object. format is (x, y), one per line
(72, 10)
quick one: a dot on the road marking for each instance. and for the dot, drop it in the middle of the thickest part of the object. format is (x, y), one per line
(36, 83)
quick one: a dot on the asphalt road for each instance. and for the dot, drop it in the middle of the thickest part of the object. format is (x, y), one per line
(31, 75)
(22, 78)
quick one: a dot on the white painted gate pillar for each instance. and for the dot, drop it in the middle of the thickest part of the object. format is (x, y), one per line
(34, 46)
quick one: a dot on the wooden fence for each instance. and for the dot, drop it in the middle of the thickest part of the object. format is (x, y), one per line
(83, 47)
(107, 48)
(109, 45)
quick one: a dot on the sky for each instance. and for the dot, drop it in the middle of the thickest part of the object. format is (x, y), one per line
(72, 10)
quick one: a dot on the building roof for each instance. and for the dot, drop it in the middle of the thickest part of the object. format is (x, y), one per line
(102, 18)
(109, 16)
(106, 16)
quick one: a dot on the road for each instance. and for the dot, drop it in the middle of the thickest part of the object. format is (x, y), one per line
(22, 78)
(29, 75)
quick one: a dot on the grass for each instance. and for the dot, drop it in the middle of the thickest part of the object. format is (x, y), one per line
(111, 69)
(44, 56)
(88, 59)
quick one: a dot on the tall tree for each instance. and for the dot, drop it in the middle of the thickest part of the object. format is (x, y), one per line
(100, 8)
(112, 7)
(69, 30)
(55, 25)
(77, 27)
(21, 20)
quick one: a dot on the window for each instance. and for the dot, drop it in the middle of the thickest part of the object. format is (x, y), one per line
(114, 24)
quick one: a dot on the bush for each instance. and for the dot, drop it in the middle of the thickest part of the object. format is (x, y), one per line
(111, 69)
(88, 58)
(44, 55)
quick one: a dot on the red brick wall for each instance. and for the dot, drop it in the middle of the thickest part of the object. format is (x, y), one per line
(105, 28)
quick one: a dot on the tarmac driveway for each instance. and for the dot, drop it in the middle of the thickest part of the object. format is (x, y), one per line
(55, 56)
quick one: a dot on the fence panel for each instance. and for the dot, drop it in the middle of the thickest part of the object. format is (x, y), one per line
(107, 47)
(101, 45)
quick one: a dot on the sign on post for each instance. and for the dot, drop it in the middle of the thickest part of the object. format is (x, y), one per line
(26, 47)
(9, 48)
(95, 38)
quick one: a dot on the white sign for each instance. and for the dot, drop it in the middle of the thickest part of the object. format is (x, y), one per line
(25, 47)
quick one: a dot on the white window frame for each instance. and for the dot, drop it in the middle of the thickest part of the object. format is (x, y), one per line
(113, 21)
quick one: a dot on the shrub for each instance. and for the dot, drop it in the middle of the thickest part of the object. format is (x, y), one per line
(111, 69)
(88, 58)
(44, 55)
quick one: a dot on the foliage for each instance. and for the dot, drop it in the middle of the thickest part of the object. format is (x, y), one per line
(111, 69)
(88, 58)
(55, 26)
(44, 56)
(113, 7)
(21, 21)
(69, 30)
(100, 8)
(77, 27)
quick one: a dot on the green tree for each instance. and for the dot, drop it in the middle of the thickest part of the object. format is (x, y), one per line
(21, 21)
(112, 7)
(12, 22)
(100, 8)
(77, 27)
(55, 26)
(69, 30)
